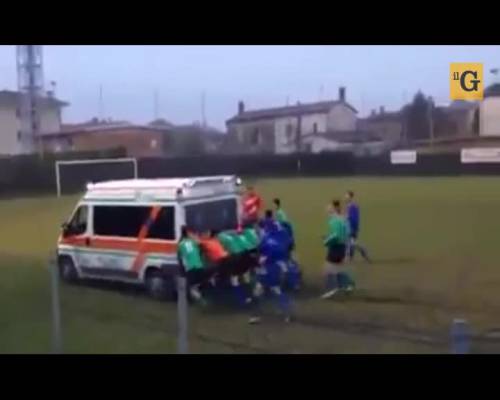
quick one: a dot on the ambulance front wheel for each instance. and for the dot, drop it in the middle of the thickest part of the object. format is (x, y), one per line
(159, 286)
(67, 270)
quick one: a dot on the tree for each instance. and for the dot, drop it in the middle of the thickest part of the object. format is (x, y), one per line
(416, 118)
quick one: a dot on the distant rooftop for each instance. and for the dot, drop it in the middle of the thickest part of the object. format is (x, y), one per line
(384, 116)
(492, 90)
(308, 108)
(109, 127)
(14, 97)
(462, 104)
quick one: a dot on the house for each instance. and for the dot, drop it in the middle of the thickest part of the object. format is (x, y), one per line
(137, 140)
(387, 125)
(152, 140)
(489, 111)
(281, 130)
(10, 122)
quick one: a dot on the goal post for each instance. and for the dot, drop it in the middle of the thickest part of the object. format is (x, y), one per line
(97, 169)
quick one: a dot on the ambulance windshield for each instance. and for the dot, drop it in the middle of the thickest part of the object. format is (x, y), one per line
(218, 214)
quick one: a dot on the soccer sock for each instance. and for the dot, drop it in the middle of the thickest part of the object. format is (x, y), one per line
(351, 251)
(331, 281)
(239, 294)
(293, 276)
(284, 302)
(345, 280)
(364, 253)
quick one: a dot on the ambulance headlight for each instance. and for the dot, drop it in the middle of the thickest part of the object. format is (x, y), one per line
(238, 181)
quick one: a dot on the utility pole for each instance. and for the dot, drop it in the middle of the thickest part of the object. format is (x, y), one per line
(155, 105)
(321, 91)
(101, 104)
(298, 142)
(30, 86)
(430, 117)
(203, 115)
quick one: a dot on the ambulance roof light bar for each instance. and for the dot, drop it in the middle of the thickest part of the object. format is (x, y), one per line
(210, 180)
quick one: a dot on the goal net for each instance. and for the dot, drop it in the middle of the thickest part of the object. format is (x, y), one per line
(72, 176)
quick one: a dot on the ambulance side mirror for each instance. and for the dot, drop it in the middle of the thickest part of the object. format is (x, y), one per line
(65, 229)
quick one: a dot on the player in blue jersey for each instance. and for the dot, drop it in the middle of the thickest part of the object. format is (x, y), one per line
(273, 250)
(353, 218)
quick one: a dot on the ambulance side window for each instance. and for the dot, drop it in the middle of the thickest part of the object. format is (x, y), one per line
(121, 221)
(164, 226)
(78, 224)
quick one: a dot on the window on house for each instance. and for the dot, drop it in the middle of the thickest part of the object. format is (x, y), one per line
(241, 136)
(289, 133)
(18, 113)
(315, 127)
(255, 137)
(18, 136)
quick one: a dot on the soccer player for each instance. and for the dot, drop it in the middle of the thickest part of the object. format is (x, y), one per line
(282, 218)
(252, 206)
(249, 239)
(217, 257)
(353, 217)
(267, 223)
(270, 278)
(232, 243)
(190, 259)
(280, 213)
(292, 271)
(336, 242)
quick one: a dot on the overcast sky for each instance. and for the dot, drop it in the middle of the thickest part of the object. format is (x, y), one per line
(261, 76)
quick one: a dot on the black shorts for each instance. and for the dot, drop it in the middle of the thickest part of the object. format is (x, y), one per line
(336, 253)
(196, 276)
(225, 267)
(253, 256)
(243, 263)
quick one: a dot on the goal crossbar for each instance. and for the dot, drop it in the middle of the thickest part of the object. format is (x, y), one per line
(92, 161)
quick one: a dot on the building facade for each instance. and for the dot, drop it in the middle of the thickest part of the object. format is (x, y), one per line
(10, 123)
(489, 112)
(281, 130)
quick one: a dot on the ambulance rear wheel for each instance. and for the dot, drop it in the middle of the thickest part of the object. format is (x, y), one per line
(67, 270)
(159, 287)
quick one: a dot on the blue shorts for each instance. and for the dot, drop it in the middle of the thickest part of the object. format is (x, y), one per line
(271, 276)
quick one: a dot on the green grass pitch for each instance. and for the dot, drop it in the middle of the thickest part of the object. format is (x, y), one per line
(433, 240)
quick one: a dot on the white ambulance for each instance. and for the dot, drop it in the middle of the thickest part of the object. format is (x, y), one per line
(128, 230)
